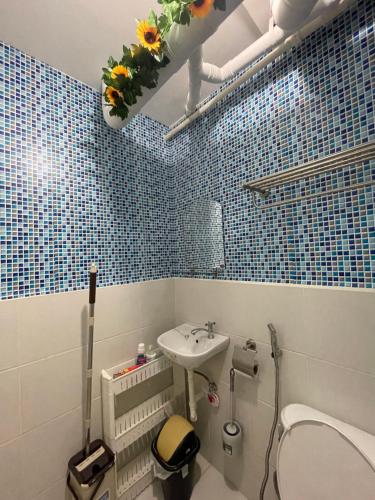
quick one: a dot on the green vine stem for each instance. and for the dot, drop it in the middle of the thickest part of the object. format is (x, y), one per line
(140, 64)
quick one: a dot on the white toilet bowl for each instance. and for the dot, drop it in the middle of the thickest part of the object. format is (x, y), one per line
(322, 458)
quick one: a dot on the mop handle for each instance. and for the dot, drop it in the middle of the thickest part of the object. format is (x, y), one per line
(92, 297)
(92, 289)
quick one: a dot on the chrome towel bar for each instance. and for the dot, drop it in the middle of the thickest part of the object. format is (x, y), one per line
(332, 163)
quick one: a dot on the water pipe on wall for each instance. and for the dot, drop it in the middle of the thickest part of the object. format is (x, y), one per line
(214, 74)
(293, 20)
(274, 43)
(195, 80)
(288, 17)
(182, 42)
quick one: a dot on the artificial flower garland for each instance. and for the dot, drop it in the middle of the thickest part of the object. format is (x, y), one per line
(140, 64)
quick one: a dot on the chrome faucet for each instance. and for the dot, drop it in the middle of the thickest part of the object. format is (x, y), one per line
(210, 329)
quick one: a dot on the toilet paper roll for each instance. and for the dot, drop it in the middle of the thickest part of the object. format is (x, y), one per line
(244, 360)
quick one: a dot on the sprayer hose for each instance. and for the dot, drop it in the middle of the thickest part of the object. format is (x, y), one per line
(272, 433)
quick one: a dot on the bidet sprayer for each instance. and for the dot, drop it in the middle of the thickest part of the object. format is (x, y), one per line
(276, 351)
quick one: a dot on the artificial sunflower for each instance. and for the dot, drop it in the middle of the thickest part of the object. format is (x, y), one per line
(148, 36)
(113, 95)
(201, 8)
(119, 70)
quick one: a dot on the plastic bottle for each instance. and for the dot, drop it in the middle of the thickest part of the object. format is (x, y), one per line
(151, 353)
(141, 358)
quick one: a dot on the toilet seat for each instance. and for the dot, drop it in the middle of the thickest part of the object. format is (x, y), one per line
(321, 458)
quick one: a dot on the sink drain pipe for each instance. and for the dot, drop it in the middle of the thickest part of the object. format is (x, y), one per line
(192, 400)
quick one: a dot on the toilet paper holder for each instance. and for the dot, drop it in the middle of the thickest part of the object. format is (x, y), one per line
(244, 358)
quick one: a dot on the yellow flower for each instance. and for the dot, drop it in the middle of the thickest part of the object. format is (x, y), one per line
(201, 8)
(113, 94)
(119, 70)
(148, 36)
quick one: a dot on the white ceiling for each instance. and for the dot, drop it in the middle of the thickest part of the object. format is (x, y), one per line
(77, 36)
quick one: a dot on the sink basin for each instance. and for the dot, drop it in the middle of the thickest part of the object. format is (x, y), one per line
(190, 351)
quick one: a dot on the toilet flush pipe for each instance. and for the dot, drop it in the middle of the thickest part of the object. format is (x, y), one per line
(192, 400)
(326, 15)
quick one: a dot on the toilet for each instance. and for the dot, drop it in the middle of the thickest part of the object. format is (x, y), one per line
(322, 458)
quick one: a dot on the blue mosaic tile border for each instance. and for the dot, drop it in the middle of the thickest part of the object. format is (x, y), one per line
(316, 100)
(72, 190)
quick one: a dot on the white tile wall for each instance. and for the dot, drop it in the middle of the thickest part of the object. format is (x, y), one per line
(345, 393)
(157, 302)
(10, 459)
(45, 450)
(118, 310)
(56, 492)
(41, 359)
(328, 341)
(50, 324)
(9, 344)
(10, 419)
(50, 387)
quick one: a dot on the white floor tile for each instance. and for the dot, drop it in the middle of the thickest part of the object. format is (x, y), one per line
(211, 484)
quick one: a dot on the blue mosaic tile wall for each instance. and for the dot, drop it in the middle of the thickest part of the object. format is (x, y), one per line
(72, 190)
(316, 100)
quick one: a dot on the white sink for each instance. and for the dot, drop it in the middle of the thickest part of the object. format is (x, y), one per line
(190, 351)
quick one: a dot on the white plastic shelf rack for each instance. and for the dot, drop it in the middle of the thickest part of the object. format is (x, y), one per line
(135, 476)
(134, 406)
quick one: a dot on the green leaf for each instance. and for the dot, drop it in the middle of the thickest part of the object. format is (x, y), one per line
(185, 17)
(107, 78)
(122, 82)
(152, 19)
(175, 11)
(112, 62)
(127, 58)
(121, 111)
(136, 88)
(164, 62)
(129, 98)
(163, 24)
(106, 73)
